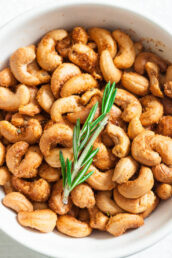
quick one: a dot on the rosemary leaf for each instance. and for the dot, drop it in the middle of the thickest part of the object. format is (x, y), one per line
(68, 168)
(90, 156)
(63, 167)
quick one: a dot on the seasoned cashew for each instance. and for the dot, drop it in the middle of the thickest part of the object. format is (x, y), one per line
(120, 139)
(23, 167)
(40, 205)
(70, 226)
(129, 103)
(83, 196)
(100, 180)
(126, 55)
(47, 56)
(7, 187)
(134, 205)
(2, 154)
(7, 79)
(150, 209)
(103, 40)
(53, 158)
(64, 105)
(38, 190)
(164, 191)
(115, 117)
(84, 57)
(79, 35)
(56, 200)
(145, 57)
(153, 110)
(45, 97)
(63, 46)
(135, 127)
(124, 170)
(141, 185)
(29, 132)
(109, 70)
(118, 224)
(163, 173)
(11, 101)
(167, 104)
(78, 84)
(86, 97)
(48, 173)
(83, 215)
(165, 126)
(106, 204)
(4, 175)
(97, 219)
(25, 69)
(42, 220)
(135, 83)
(18, 202)
(61, 75)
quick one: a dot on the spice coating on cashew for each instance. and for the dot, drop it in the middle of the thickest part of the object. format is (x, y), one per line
(165, 126)
(4, 175)
(79, 35)
(7, 79)
(164, 191)
(2, 153)
(135, 127)
(83, 196)
(163, 173)
(45, 97)
(97, 219)
(49, 173)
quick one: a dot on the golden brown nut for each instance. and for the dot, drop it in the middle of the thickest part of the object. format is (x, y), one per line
(97, 219)
(2, 154)
(7, 187)
(7, 79)
(165, 126)
(53, 158)
(164, 191)
(45, 97)
(135, 127)
(163, 173)
(63, 46)
(4, 176)
(48, 173)
(150, 209)
(168, 89)
(79, 35)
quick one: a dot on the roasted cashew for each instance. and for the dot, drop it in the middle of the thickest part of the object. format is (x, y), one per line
(135, 127)
(61, 75)
(38, 190)
(64, 105)
(167, 104)
(45, 97)
(53, 158)
(11, 101)
(70, 226)
(42, 220)
(25, 69)
(103, 40)
(153, 73)
(152, 110)
(118, 224)
(149, 149)
(165, 126)
(135, 83)
(48, 173)
(124, 170)
(150, 209)
(17, 201)
(86, 97)
(115, 117)
(83, 215)
(100, 180)
(26, 167)
(79, 35)
(141, 185)
(56, 200)
(134, 205)
(106, 204)
(109, 70)
(84, 57)
(4, 175)
(120, 139)
(32, 108)
(78, 84)
(126, 55)
(163, 173)
(129, 103)
(97, 219)
(145, 57)
(2, 154)
(29, 132)
(47, 56)
(164, 191)
(168, 89)
(7, 187)
(83, 196)
(7, 79)
(63, 46)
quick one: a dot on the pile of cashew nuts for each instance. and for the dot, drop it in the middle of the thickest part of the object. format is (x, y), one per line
(43, 92)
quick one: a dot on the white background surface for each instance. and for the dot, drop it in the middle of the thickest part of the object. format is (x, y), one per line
(9, 9)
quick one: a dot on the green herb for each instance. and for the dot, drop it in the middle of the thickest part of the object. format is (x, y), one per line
(83, 139)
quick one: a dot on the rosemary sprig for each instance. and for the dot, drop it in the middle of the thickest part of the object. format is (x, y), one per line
(74, 173)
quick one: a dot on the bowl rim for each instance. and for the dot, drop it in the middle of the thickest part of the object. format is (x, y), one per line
(27, 15)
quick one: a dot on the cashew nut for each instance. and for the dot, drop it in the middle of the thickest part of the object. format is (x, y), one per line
(7, 79)
(164, 191)
(63, 46)
(97, 219)
(86, 97)
(42, 220)
(47, 56)
(25, 69)
(150, 209)
(165, 126)
(7, 187)
(135, 83)
(4, 175)
(79, 35)
(70, 226)
(115, 117)
(83, 196)
(48, 173)
(162, 173)
(141, 185)
(53, 158)
(18, 202)
(134, 205)
(168, 89)
(38, 190)
(124, 170)
(135, 127)
(118, 224)
(153, 110)
(2, 154)
(126, 55)
(45, 97)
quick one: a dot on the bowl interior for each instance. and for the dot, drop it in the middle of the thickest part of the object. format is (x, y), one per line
(27, 29)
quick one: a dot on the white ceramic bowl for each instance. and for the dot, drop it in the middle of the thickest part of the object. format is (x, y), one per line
(27, 29)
